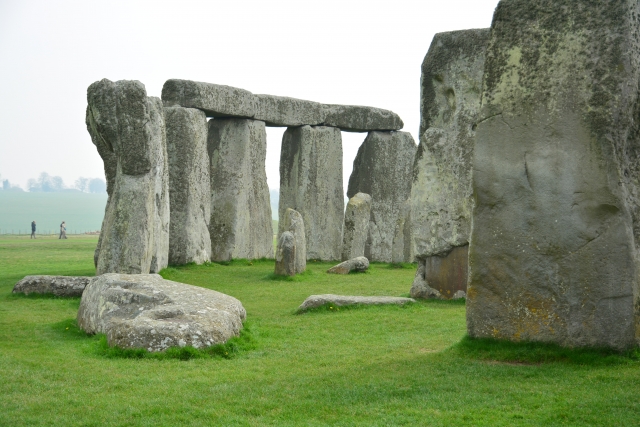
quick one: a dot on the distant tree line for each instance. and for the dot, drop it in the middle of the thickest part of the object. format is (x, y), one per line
(46, 183)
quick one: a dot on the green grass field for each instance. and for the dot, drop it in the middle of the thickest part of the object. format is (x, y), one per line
(378, 366)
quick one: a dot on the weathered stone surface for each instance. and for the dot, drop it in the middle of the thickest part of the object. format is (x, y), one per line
(284, 111)
(311, 183)
(214, 100)
(60, 286)
(189, 186)
(445, 273)
(135, 229)
(356, 118)
(291, 255)
(553, 251)
(356, 226)
(358, 264)
(342, 300)
(402, 250)
(240, 225)
(146, 311)
(382, 168)
(441, 195)
(459, 295)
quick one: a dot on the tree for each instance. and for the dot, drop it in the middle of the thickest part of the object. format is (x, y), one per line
(82, 184)
(97, 185)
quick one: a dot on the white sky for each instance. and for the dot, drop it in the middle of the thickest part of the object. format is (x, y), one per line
(332, 51)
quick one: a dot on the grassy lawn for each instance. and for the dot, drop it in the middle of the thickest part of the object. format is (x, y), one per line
(378, 366)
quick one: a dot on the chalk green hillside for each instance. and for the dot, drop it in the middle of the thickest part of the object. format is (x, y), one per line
(379, 366)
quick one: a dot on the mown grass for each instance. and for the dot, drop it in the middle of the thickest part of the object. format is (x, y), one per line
(368, 366)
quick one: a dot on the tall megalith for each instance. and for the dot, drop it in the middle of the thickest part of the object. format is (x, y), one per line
(553, 251)
(240, 225)
(128, 129)
(382, 169)
(441, 195)
(356, 226)
(189, 186)
(311, 183)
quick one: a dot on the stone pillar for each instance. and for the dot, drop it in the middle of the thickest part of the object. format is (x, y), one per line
(128, 129)
(553, 251)
(240, 225)
(382, 169)
(311, 183)
(356, 226)
(291, 256)
(189, 186)
(441, 195)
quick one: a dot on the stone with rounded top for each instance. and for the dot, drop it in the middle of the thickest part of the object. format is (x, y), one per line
(359, 264)
(356, 226)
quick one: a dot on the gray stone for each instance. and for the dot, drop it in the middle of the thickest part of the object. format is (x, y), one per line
(240, 225)
(553, 251)
(356, 118)
(189, 186)
(60, 286)
(284, 111)
(441, 194)
(402, 250)
(135, 229)
(311, 183)
(459, 295)
(420, 288)
(359, 264)
(214, 100)
(292, 257)
(446, 273)
(382, 168)
(343, 300)
(146, 311)
(356, 226)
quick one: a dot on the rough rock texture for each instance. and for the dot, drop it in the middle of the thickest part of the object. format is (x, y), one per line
(240, 225)
(447, 274)
(403, 249)
(382, 168)
(146, 311)
(226, 101)
(355, 118)
(284, 111)
(60, 286)
(311, 183)
(215, 100)
(123, 121)
(359, 264)
(441, 198)
(341, 300)
(356, 226)
(291, 255)
(553, 251)
(189, 186)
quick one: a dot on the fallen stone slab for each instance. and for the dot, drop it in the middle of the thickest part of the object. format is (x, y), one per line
(147, 311)
(356, 118)
(60, 286)
(359, 264)
(342, 300)
(215, 100)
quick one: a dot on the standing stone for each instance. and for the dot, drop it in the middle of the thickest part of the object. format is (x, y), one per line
(356, 226)
(553, 251)
(286, 255)
(402, 250)
(382, 168)
(291, 255)
(441, 194)
(135, 231)
(240, 225)
(189, 186)
(311, 183)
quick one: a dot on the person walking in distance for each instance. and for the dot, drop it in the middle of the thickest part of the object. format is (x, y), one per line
(33, 229)
(63, 230)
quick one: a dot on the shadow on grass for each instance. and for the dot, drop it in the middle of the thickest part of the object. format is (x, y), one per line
(532, 353)
(302, 277)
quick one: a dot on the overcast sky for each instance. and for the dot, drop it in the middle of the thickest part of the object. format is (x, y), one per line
(332, 51)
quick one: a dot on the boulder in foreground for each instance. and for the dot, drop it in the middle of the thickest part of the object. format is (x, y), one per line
(146, 311)
(342, 300)
(355, 264)
(60, 286)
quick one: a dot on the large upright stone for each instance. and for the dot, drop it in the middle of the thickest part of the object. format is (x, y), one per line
(240, 225)
(441, 195)
(189, 186)
(356, 226)
(311, 183)
(135, 231)
(553, 252)
(291, 256)
(382, 169)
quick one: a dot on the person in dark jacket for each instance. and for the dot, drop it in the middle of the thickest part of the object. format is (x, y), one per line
(33, 229)
(63, 230)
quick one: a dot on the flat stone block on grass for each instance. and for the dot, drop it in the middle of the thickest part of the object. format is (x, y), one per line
(60, 286)
(315, 301)
(358, 264)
